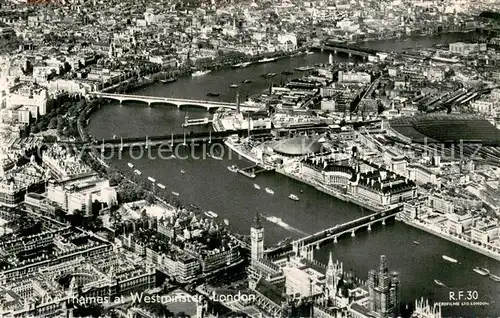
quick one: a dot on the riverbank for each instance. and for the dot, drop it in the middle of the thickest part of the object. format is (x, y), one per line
(318, 186)
(457, 240)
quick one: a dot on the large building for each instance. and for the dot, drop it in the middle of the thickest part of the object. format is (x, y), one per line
(381, 187)
(257, 239)
(384, 291)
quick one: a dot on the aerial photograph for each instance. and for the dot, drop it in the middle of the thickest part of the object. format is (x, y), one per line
(250, 158)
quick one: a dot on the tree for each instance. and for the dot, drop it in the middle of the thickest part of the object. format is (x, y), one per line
(52, 123)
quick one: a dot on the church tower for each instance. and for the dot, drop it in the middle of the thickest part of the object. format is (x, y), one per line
(257, 238)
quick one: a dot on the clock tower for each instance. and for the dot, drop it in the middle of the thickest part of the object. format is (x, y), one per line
(257, 238)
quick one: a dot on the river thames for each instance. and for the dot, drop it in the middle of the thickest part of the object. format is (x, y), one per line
(210, 185)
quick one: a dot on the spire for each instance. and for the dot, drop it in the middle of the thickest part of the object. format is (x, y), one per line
(257, 224)
(330, 261)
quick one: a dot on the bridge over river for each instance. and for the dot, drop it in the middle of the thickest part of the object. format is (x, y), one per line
(305, 246)
(178, 102)
(171, 140)
(351, 50)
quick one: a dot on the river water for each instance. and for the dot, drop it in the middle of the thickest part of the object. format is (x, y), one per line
(209, 184)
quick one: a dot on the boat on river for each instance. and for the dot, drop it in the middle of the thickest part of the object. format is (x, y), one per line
(200, 73)
(304, 68)
(168, 80)
(213, 94)
(481, 271)
(416, 242)
(226, 221)
(151, 179)
(246, 81)
(269, 191)
(267, 60)
(449, 259)
(137, 172)
(234, 86)
(161, 186)
(293, 197)
(495, 278)
(130, 165)
(232, 168)
(211, 214)
(175, 193)
(256, 186)
(182, 171)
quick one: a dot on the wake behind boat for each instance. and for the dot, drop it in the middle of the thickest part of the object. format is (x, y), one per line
(269, 191)
(437, 282)
(481, 271)
(449, 259)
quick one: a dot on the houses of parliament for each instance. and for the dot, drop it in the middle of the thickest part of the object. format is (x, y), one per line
(292, 285)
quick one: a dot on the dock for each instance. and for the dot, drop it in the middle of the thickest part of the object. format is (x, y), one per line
(253, 170)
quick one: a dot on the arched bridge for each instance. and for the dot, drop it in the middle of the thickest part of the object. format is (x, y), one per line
(164, 100)
(306, 244)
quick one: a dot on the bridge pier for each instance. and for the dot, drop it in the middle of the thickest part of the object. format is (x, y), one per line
(353, 233)
(350, 54)
(383, 222)
(369, 227)
(335, 52)
(317, 246)
(335, 239)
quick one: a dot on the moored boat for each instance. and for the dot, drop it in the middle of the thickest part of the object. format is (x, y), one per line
(161, 186)
(256, 186)
(151, 179)
(481, 271)
(416, 242)
(182, 171)
(226, 221)
(234, 86)
(269, 191)
(304, 68)
(246, 81)
(130, 165)
(245, 64)
(175, 193)
(213, 94)
(233, 168)
(495, 278)
(274, 219)
(137, 172)
(449, 259)
(293, 197)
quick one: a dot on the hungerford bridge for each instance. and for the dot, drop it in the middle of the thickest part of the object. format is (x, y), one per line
(164, 100)
(305, 246)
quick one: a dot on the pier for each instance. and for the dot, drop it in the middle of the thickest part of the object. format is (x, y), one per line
(196, 121)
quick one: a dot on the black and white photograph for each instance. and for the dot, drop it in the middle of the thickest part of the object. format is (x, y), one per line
(250, 158)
